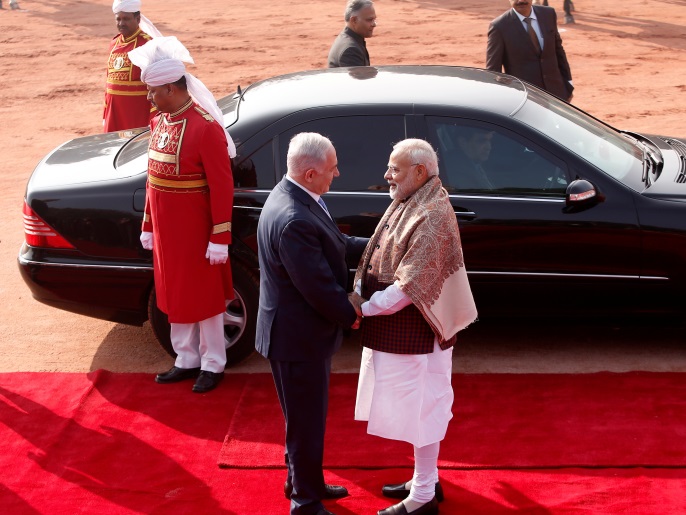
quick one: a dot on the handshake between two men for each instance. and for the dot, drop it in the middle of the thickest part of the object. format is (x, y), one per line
(407, 327)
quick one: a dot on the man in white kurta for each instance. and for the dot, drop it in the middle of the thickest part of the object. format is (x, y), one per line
(414, 278)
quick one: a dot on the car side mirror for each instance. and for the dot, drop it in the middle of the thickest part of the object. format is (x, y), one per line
(581, 194)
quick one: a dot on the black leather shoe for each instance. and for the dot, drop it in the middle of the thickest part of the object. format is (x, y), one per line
(176, 374)
(400, 492)
(207, 381)
(330, 491)
(430, 508)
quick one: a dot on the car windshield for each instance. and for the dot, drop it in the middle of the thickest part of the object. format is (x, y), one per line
(134, 153)
(590, 139)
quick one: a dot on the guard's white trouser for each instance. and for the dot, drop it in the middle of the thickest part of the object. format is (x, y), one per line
(200, 344)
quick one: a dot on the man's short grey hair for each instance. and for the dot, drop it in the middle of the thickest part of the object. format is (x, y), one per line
(421, 152)
(307, 150)
(353, 7)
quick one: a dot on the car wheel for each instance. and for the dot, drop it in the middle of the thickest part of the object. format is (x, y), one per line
(239, 319)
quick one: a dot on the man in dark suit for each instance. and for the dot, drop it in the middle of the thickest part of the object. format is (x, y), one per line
(526, 43)
(349, 47)
(303, 309)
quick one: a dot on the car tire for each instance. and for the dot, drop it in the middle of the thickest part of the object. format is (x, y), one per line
(239, 320)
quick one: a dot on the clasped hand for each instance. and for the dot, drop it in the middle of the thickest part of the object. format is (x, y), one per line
(356, 300)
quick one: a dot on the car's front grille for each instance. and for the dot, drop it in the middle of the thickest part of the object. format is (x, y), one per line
(680, 149)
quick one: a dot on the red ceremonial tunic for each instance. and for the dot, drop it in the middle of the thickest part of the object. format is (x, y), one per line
(188, 204)
(126, 96)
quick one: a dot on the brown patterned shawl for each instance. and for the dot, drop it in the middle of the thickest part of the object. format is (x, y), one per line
(423, 252)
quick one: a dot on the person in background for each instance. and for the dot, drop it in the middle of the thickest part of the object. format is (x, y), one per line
(567, 7)
(349, 48)
(126, 102)
(525, 42)
(413, 296)
(187, 217)
(303, 309)
(464, 165)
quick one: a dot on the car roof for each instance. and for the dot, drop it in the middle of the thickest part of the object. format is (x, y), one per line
(471, 88)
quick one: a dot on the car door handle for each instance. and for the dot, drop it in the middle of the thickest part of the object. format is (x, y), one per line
(465, 215)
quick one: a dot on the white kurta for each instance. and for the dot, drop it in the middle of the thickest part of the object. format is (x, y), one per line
(406, 397)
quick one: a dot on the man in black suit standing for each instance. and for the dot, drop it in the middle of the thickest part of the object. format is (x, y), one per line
(349, 47)
(303, 309)
(526, 43)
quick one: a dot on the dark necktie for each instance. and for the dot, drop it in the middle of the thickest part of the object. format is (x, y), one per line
(532, 35)
(321, 203)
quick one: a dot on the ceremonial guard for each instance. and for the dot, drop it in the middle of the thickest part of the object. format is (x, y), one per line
(126, 102)
(187, 220)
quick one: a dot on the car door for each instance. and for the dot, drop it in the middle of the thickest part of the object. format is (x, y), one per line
(524, 250)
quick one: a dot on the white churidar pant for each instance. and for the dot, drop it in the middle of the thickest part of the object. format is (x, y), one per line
(425, 476)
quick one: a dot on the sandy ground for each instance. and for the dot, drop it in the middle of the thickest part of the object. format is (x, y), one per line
(627, 59)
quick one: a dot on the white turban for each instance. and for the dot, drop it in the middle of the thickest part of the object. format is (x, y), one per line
(161, 62)
(134, 6)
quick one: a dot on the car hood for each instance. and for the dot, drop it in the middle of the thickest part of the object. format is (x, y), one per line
(671, 184)
(84, 160)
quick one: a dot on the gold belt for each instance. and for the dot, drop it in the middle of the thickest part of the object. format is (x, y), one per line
(178, 184)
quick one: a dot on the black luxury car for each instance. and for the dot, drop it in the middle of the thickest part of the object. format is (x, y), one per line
(559, 213)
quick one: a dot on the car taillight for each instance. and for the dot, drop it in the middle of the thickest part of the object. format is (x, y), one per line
(39, 234)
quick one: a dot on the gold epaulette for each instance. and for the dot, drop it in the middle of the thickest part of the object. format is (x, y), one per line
(207, 116)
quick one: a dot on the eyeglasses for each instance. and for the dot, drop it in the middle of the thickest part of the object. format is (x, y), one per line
(395, 170)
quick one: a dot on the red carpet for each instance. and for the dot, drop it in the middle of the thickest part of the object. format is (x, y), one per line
(500, 421)
(120, 444)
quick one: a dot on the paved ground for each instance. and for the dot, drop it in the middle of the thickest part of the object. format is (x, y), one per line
(628, 65)
(496, 347)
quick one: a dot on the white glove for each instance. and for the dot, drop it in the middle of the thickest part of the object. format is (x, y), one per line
(146, 240)
(217, 253)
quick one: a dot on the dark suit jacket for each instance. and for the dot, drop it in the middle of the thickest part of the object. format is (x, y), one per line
(303, 278)
(348, 49)
(510, 47)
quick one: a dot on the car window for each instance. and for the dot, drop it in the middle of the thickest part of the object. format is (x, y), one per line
(363, 144)
(256, 170)
(486, 159)
(601, 145)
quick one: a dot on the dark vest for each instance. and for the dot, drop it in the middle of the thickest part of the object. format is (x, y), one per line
(403, 332)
